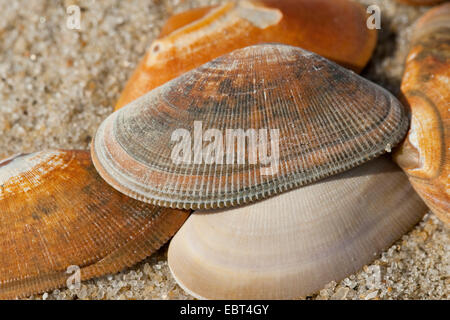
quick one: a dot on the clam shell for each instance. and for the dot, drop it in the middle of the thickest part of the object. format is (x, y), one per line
(56, 211)
(293, 244)
(425, 153)
(335, 29)
(328, 118)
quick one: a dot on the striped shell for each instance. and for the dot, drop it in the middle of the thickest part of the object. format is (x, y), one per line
(328, 120)
(425, 154)
(293, 244)
(56, 212)
(334, 29)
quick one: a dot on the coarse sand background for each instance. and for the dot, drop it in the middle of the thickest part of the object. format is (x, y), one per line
(57, 85)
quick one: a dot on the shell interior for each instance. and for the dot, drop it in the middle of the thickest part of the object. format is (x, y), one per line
(56, 212)
(293, 244)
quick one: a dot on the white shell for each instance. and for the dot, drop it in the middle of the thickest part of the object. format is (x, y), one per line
(293, 244)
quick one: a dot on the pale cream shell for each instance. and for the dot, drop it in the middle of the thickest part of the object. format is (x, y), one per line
(293, 244)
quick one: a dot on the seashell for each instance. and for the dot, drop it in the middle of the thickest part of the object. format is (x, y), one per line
(293, 244)
(179, 20)
(56, 212)
(335, 29)
(315, 117)
(425, 153)
(421, 2)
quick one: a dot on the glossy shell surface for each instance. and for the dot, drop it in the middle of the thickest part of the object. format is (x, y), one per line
(335, 29)
(328, 120)
(425, 154)
(56, 212)
(295, 243)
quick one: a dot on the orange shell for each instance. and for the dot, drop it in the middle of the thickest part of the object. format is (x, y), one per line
(335, 29)
(293, 244)
(179, 20)
(56, 211)
(425, 153)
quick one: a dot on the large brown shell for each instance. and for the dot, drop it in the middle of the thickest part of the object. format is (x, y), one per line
(335, 29)
(293, 244)
(329, 120)
(425, 154)
(56, 211)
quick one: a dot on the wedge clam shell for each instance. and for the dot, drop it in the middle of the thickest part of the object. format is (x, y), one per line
(425, 153)
(335, 29)
(293, 244)
(56, 212)
(328, 118)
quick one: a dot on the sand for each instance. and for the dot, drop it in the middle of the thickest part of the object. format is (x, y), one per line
(58, 84)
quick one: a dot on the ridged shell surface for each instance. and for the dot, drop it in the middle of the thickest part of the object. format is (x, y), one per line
(311, 119)
(425, 153)
(293, 244)
(56, 212)
(335, 29)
